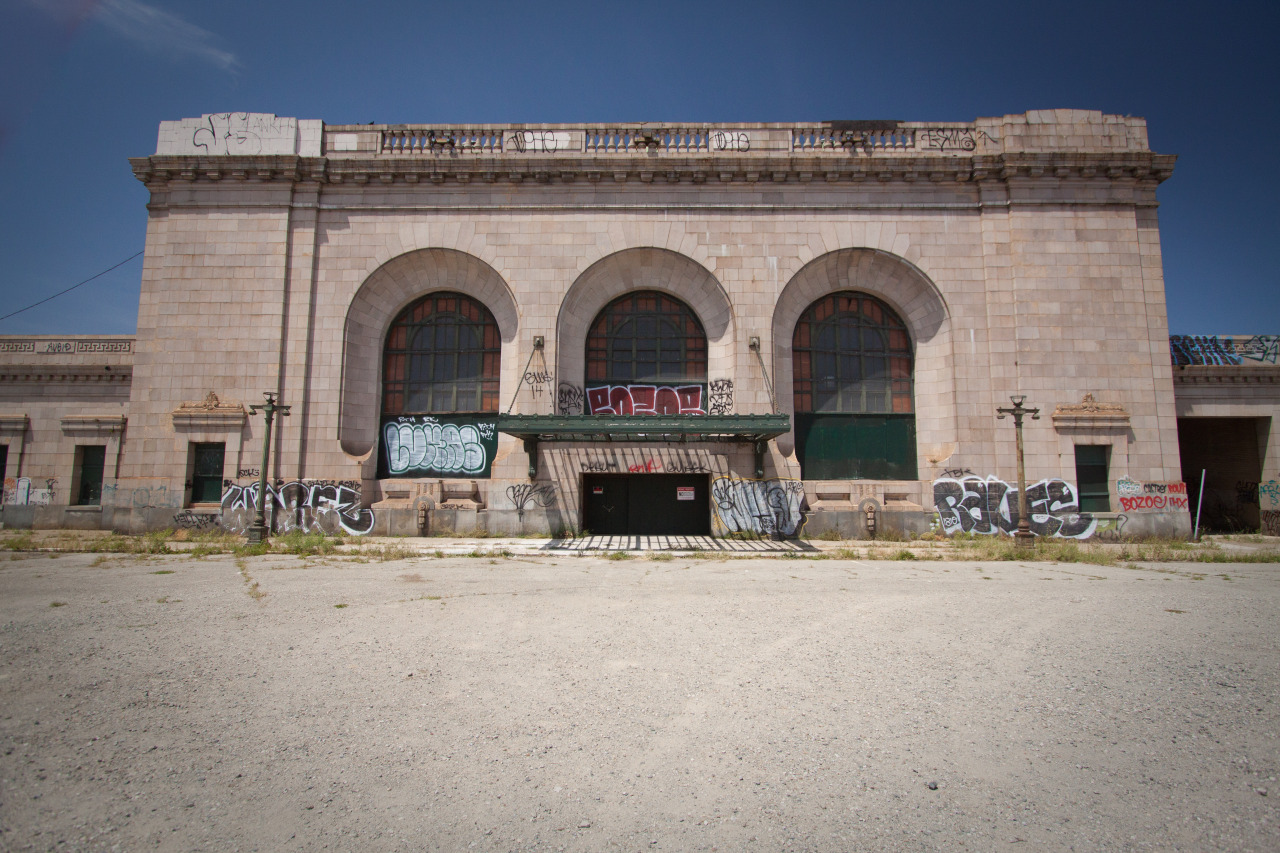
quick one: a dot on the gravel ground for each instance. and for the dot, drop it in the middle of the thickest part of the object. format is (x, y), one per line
(581, 703)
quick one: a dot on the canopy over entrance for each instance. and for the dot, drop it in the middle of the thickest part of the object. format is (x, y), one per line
(753, 429)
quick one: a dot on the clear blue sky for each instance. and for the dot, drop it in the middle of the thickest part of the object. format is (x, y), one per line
(84, 85)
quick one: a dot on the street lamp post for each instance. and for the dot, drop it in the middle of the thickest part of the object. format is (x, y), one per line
(1024, 537)
(257, 532)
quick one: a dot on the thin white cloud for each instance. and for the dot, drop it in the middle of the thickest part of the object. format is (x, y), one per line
(154, 29)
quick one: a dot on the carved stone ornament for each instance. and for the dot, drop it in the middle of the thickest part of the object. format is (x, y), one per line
(210, 413)
(1090, 414)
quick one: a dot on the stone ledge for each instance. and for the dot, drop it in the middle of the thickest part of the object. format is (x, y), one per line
(93, 424)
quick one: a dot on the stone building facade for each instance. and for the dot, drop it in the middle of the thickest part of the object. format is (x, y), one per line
(755, 328)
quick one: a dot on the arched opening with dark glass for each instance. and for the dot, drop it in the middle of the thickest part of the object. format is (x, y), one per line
(854, 404)
(646, 353)
(441, 357)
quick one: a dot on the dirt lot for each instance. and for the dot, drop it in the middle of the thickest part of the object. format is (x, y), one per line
(581, 703)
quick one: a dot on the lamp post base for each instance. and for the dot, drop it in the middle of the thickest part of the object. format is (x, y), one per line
(1025, 539)
(256, 534)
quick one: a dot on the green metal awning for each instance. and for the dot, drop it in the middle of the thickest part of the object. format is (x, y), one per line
(753, 429)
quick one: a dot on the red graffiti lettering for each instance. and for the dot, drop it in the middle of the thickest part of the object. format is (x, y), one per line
(1153, 502)
(645, 400)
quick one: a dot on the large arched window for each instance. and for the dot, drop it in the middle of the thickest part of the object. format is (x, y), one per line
(646, 354)
(441, 357)
(646, 336)
(852, 380)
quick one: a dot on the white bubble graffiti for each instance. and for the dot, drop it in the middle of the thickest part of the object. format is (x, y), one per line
(446, 448)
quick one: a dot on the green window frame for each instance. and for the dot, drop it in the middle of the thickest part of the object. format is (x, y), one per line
(853, 390)
(207, 461)
(91, 462)
(1093, 488)
(442, 355)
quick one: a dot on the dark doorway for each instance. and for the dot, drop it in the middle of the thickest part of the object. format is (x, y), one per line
(206, 476)
(646, 504)
(1229, 451)
(92, 463)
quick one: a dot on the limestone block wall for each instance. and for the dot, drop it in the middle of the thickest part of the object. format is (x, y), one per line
(1022, 252)
(58, 393)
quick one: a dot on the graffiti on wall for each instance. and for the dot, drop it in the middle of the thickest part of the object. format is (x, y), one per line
(720, 392)
(1111, 529)
(645, 400)
(189, 520)
(1271, 522)
(522, 495)
(1269, 500)
(952, 139)
(539, 381)
(569, 399)
(1202, 349)
(671, 462)
(141, 497)
(1247, 493)
(1224, 349)
(764, 507)
(423, 446)
(989, 505)
(241, 133)
(1264, 348)
(1151, 497)
(20, 492)
(311, 506)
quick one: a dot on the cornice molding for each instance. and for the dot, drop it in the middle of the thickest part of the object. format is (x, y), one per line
(1213, 374)
(159, 172)
(45, 374)
(13, 423)
(1089, 414)
(210, 413)
(93, 424)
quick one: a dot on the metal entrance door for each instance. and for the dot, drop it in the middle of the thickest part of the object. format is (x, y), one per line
(646, 504)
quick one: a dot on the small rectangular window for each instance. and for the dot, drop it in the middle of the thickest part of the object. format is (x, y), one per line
(92, 461)
(1092, 478)
(4, 461)
(206, 474)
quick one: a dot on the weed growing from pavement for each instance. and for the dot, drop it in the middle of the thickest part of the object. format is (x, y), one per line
(618, 555)
(903, 554)
(387, 553)
(312, 544)
(339, 606)
(163, 572)
(255, 592)
(661, 557)
(23, 541)
(57, 604)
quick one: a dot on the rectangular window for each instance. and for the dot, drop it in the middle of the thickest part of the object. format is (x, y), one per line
(92, 459)
(206, 473)
(4, 461)
(1092, 478)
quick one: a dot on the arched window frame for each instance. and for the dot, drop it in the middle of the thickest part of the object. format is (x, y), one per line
(872, 376)
(441, 355)
(620, 352)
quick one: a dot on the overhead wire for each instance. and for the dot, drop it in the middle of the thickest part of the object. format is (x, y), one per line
(72, 287)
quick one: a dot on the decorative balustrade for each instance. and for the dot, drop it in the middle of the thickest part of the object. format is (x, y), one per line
(427, 140)
(858, 138)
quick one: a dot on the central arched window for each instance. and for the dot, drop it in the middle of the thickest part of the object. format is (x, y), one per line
(647, 337)
(646, 355)
(852, 381)
(441, 357)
